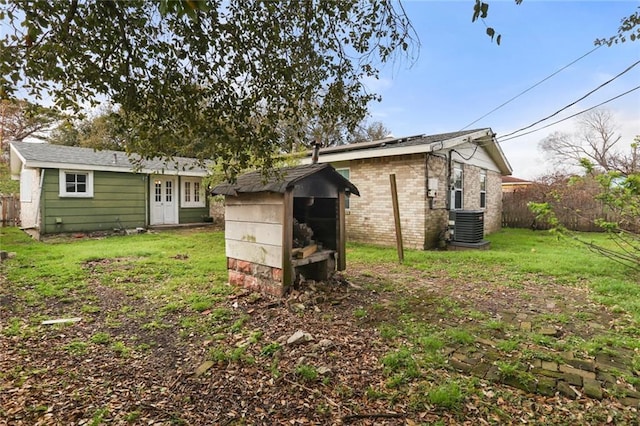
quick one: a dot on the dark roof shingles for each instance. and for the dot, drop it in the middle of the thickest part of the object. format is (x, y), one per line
(44, 152)
(282, 180)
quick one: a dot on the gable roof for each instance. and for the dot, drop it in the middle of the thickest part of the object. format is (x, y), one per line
(44, 155)
(284, 179)
(414, 145)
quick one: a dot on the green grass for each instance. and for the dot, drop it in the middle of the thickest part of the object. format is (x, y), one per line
(417, 328)
(518, 255)
(132, 261)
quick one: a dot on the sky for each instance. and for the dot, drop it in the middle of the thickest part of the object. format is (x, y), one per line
(459, 75)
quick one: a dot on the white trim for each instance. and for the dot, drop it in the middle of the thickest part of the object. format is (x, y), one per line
(384, 148)
(63, 187)
(483, 173)
(457, 166)
(89, 167)
(183, 193)
(347, 200)
(383, 151)
(153, 220)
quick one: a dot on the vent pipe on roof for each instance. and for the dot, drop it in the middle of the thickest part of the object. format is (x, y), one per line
(316, 153)
(115, 158)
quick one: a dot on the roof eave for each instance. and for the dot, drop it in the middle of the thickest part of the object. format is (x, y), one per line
(118, 169)
(359, 154)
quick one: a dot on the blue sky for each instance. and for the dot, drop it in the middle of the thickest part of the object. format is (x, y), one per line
(460, 75)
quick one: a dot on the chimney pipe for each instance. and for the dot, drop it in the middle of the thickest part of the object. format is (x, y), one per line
(316, 153)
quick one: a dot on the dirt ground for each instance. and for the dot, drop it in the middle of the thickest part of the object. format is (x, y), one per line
(159, 374)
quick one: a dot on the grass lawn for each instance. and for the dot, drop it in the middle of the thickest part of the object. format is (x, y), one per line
(447, 337)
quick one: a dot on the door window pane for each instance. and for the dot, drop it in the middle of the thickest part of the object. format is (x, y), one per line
(168, 193)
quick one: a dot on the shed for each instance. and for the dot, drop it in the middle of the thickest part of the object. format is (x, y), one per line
(290, 224)
(67, 189)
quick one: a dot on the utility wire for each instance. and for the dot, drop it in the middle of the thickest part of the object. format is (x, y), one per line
(574, 102)
(532, 87)
(501, 139)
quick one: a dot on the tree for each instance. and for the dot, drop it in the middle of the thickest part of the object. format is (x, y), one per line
(620, 196)
(328, 134)
(629, 26)
(369, 132)
(224, 75)
(100, 131)
(20, 120)
(595, 140)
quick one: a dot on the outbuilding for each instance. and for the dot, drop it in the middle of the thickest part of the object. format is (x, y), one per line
(65, 189)
(285, 226)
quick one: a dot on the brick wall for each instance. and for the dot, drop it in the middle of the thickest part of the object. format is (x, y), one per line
(493, 212)
(255, 277)
(370, 217)
(423, 219)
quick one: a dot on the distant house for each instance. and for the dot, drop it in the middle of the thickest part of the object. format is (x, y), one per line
(513, 184)
(435, 174)
(72, 189)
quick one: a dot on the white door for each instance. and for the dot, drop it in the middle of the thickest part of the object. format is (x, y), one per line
(164, 201)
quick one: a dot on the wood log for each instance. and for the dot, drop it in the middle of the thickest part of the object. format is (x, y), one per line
(307, 251)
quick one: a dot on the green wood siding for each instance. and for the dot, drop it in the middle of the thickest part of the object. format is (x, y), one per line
(119, 201)
(193, 215)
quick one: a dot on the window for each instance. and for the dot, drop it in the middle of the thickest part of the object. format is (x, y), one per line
(192, 195)
(345, 174)
(456, 187)
(168, 191)
(483, 189)
(76, 184)
(158, 190)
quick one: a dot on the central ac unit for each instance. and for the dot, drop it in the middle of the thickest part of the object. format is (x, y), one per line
(466, 226)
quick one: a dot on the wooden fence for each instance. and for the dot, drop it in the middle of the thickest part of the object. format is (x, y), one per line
(10, 208)
(577, 210)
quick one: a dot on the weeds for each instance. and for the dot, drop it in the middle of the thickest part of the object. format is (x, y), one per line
(307, 373)
(448, 395)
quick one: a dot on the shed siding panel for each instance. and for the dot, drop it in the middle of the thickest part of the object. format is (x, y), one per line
(261, 233)
(253, 228)
(257, 198)
(29, 197)
(262, 254)
(118, 202)
(262, 213)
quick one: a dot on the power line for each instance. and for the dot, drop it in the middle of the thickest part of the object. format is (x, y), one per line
(567, 118)
(532, 87)
(574, 102)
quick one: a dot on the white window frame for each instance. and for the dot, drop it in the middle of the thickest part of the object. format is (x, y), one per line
(483, 189)
(193, 182)
(347, 196)
(455, 189)
(63, 184)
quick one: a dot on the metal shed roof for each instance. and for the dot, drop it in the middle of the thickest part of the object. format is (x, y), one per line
(282, 180)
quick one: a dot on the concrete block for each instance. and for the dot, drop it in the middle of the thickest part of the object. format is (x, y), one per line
(572, 370)
(592, 388)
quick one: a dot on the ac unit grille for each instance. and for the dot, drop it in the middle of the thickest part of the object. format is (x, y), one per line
(468, 225)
